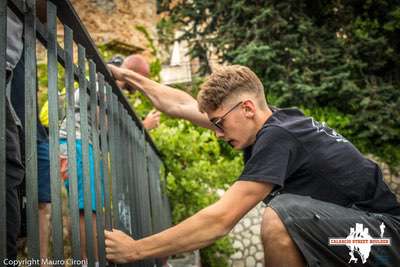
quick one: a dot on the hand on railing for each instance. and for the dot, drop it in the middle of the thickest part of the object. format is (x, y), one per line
(129, 82)
(120, 247)
(117, 73)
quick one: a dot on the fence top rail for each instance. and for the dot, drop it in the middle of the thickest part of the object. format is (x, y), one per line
(68, 16)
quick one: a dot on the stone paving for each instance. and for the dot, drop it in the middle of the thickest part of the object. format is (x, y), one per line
(246, 240)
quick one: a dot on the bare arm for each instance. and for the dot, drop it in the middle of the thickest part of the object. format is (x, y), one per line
(198, 231)
(173, 102)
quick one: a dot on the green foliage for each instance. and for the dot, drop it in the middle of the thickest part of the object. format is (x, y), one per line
(217, 255)
(165, 32)
(314, 54)
(155, 65)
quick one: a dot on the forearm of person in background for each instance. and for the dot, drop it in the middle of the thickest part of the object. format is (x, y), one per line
(152, 120)
(173, 102)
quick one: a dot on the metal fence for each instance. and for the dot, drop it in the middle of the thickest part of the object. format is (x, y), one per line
(124, 155)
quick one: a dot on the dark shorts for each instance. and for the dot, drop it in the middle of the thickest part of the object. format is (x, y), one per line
(43, 172)
(313, 223)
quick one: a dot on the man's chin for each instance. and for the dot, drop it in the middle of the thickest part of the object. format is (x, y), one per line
(235, 145)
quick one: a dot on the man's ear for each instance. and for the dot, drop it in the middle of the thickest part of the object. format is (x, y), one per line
(249, 108)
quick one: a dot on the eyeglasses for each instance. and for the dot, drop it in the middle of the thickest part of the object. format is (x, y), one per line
(217, 122)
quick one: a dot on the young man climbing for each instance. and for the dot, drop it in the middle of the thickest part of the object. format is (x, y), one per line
(315, 183)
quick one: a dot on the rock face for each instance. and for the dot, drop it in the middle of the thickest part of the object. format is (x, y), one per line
(115, 20)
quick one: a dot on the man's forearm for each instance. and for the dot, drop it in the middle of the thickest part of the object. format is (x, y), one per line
(173, 102)
(163, 97)
(196, 232)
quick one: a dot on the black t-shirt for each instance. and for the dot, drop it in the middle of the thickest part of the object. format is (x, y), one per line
(299, 155)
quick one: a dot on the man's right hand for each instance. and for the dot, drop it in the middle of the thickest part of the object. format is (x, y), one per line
(127, 79)
(117, 73)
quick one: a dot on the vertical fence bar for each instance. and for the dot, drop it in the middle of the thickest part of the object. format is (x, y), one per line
(155, 189)
(167, 216)
(120, 169)
(99, 188)
(56, 212)
(161, 227)
(125, 170)
(140, 199)
(146, 194)
(110, 126)
(134, 183)
(111, 99)
(83, 109)
(3, 47)
(155, 192)
(130, 197)
(118, 184)
(131, 176)
(71, 144)
(31, 132)
(125, 158)
(104, 152)
(118, 164)
(146, 208)
(139, 185)
(117, 170)
(135, 154)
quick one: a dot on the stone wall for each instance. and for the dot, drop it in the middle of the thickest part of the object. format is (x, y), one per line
(392, 180)
(246, 240)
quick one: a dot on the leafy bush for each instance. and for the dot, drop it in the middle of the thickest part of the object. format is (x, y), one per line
(314, 54)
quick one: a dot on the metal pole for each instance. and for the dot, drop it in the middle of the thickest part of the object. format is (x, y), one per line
(56, 212)
(71, 144)
(3, 47)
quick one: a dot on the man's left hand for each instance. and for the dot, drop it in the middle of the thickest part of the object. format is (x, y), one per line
(152, 120)
(120, 247)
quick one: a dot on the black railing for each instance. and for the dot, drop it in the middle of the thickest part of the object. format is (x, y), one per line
(126, 162)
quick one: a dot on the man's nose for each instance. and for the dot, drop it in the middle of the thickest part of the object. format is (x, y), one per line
(220, 134)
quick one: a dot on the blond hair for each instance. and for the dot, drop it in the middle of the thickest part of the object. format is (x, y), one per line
(226, 82)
